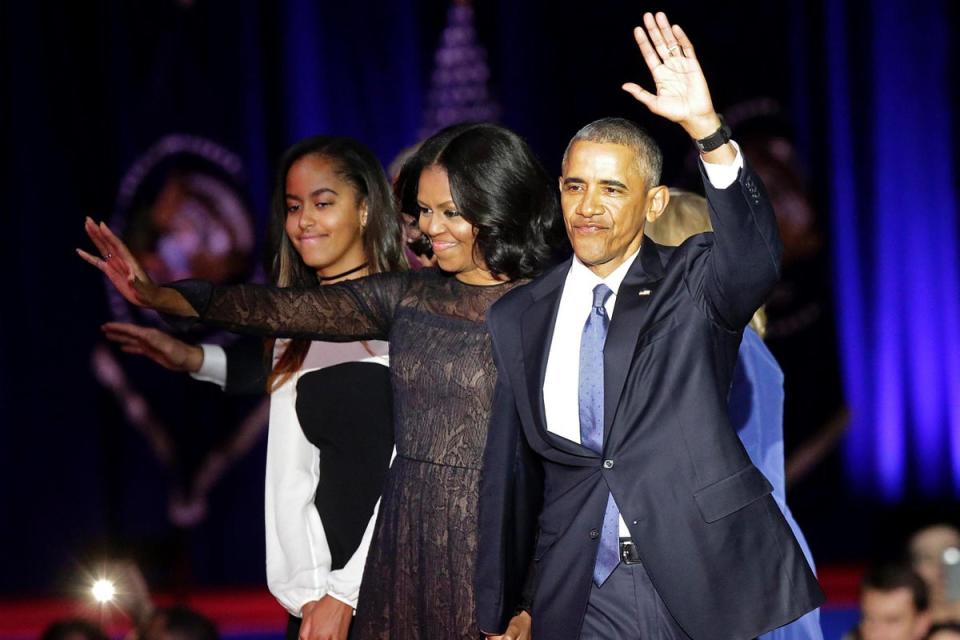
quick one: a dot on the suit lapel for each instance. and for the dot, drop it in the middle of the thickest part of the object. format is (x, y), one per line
(536, 334)
(629, 316)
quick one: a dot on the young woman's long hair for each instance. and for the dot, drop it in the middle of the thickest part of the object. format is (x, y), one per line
(382, 235)
(500, 187)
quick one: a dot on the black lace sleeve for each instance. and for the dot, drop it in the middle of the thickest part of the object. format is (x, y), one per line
(360, 309)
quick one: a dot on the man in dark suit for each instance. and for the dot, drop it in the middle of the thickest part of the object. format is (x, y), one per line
(614, 373)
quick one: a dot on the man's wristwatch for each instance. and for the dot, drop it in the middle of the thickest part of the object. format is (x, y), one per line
(716, 139)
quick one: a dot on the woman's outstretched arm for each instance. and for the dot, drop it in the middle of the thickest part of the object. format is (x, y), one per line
(353, 310)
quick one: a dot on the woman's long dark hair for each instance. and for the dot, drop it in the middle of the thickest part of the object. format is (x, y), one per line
(382, 235)
(405, 187)
(500, 187)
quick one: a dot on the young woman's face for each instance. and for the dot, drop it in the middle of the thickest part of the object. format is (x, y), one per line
(452, 237)
(324, 221)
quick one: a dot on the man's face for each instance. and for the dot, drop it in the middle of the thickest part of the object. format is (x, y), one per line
(926, 549)
(605, 202)
(891, 615)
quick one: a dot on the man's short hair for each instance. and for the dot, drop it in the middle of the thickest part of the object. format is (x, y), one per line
(182, 623)
(73, 628)
(890, 577)
(629, 134)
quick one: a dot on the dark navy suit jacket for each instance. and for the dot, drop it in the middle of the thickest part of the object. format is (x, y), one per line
(711, 537)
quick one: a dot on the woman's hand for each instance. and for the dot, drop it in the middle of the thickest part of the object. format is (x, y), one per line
(682, 94)
(126, 274)
(326, 619)
(167, 351)
(118, 264)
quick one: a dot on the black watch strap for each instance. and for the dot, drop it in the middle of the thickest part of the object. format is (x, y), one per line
(716, 139)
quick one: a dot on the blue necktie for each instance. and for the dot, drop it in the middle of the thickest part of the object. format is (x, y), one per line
(591, 423)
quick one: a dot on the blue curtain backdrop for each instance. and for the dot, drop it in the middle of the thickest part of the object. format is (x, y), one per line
(891, 96)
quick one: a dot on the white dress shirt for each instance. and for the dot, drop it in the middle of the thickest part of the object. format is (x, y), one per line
(298, 554)
(561, 383)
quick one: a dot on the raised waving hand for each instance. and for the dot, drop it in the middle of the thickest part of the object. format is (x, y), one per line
(682, 94)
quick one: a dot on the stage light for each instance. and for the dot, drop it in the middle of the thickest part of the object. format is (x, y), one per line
(103, 590)
(951, 556)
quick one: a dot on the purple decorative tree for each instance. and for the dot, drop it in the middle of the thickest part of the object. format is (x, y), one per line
(458, 86)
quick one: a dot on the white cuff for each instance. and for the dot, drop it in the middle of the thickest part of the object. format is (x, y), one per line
(315, 598)
(344, 600)
(722, 176)
(214, 367)
(299, 608)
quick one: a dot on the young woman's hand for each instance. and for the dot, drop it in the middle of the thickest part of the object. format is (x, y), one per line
(326, 619)
(167, 351)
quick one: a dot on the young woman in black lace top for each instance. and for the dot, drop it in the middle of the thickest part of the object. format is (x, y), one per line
(492, 215)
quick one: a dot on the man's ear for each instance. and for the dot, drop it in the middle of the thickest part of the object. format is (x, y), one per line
(657, 199)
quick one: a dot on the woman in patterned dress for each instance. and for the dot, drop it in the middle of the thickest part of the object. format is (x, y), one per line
(492, 215)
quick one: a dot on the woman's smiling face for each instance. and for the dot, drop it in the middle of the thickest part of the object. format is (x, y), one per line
(453, 237)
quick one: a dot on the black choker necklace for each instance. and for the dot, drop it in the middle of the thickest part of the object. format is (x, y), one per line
(340, 275)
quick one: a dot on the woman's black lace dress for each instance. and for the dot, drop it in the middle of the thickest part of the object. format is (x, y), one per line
(418, 581)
